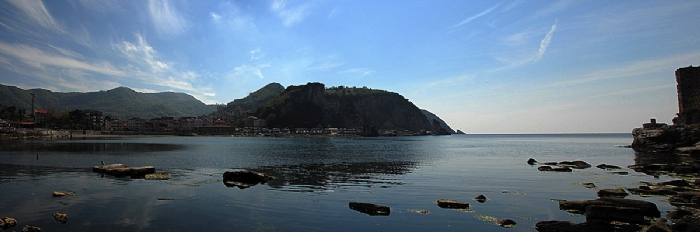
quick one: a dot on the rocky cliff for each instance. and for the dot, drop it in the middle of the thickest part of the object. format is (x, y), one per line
(312, 105)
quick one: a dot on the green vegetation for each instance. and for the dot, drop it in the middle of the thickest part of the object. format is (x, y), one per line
(312, 105)
(122, 101)
(255, 99)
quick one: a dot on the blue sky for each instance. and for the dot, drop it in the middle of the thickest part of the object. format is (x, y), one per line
(482, 66)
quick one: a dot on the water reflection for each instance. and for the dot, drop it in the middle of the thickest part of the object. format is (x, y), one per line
(75, 146)
(11, 172)
(320, 177)
(656, 163)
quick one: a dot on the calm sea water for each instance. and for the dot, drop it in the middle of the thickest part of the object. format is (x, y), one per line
(315, 179)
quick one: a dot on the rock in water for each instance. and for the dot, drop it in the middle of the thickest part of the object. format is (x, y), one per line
(531, 161)
(61, 217)
(612, 193)
(452, 204)
(29, 228)
(244, 179)
(507, 223)
(158, 176)
(371, 209)
(61, 193)
(480, 198)
(7, 222)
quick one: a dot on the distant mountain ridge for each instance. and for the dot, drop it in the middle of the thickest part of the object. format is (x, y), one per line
(121, 101)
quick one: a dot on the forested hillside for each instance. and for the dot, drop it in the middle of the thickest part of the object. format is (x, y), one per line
(120, 101)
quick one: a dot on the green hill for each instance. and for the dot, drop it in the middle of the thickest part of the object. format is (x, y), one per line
(312, 105)
(120, 101)
(255, 99)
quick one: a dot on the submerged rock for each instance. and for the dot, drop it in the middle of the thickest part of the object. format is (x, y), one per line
(452, 204)
(480, 198)
(61, 217)
(158, 176)
(371, 209)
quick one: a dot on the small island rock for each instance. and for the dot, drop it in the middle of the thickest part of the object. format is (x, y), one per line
(7, 222)
(61, 217)
(29, 228)
(508, 223)
(371, 209)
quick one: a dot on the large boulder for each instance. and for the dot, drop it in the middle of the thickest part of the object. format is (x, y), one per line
(244, 179)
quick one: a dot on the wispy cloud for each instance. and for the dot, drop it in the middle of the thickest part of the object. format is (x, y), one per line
(166, 19)
(556, 7)
(37, 58)
(357, 72)
(35, 10)
(141, 52)
(513, 5)
(475, 16)
(545, 42)
(245, 72)
(639, 68)
(291, 15)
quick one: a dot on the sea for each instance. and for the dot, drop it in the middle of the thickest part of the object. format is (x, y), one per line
(314, 181)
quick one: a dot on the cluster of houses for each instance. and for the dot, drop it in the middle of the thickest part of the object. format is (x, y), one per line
(223, 124)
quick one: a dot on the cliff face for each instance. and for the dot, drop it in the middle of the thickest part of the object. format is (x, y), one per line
(312, 105)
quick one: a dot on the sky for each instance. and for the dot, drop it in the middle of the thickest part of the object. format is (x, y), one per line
(518, 66)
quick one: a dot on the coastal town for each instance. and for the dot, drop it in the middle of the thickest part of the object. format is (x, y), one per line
(52, 124)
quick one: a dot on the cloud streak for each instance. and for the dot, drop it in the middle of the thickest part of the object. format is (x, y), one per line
(545, 43)
(475, 16)
(35, 10)
(166, 19)
(293, 15)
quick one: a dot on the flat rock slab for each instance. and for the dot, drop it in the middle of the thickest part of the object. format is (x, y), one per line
(120, 170)
(158, 176)
(370, 209)
(612, 193)
(452, 204)
(550, 169)
(61, 193)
